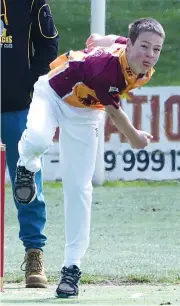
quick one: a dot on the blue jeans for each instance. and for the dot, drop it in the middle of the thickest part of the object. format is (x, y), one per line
(32, 217)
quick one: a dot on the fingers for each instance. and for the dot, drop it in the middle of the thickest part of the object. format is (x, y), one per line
(149, 136)
(90, 44)
(90, 41)
(146, 134)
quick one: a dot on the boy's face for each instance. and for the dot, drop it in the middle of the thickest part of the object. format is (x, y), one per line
(145, 52)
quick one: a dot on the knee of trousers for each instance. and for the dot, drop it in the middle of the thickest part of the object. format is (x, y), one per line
(37, 142)
(42, 145)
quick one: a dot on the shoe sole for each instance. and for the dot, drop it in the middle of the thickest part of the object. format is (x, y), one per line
(35, 195)
(23, 202)
(65, 295)
(36, 285)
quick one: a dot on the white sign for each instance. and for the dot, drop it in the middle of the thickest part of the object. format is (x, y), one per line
(155, 110)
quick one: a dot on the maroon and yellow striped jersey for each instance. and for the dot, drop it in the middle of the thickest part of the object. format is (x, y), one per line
(94, 78)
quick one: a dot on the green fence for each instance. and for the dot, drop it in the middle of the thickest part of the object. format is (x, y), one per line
(72, 18)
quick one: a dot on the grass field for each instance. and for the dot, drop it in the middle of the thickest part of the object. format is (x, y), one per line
(134, 234)
(72, 19)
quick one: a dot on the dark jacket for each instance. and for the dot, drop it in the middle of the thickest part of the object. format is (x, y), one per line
(29, 42)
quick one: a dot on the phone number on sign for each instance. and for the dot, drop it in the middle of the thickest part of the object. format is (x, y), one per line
(143, 160)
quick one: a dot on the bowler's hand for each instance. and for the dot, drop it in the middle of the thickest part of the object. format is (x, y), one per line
(141, 140)
(93, 40)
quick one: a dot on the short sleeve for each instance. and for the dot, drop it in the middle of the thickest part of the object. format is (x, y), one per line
(121, 40)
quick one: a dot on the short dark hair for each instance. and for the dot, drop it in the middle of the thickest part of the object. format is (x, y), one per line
(145, 25)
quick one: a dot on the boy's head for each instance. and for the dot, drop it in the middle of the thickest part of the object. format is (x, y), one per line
(146, 37)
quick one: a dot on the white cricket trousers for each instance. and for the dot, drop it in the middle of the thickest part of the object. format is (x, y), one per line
(78, 149)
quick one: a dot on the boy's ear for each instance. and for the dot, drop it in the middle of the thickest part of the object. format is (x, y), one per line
(128, 44)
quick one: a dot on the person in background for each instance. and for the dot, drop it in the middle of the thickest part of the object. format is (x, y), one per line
(29, 43)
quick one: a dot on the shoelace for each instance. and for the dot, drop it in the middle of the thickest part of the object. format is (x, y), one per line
(70, 277)
(33, 263)
(24, 177)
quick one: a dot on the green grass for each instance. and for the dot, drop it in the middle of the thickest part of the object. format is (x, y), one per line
(134, 234)
(140, 183)
(72, 19)
(117, 184)
(88, 279)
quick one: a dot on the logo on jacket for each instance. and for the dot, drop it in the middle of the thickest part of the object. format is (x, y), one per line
(6, 37)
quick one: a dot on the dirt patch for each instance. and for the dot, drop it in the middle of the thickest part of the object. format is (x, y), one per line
(95, 295)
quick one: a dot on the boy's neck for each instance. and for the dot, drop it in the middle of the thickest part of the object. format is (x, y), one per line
(130, 65)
